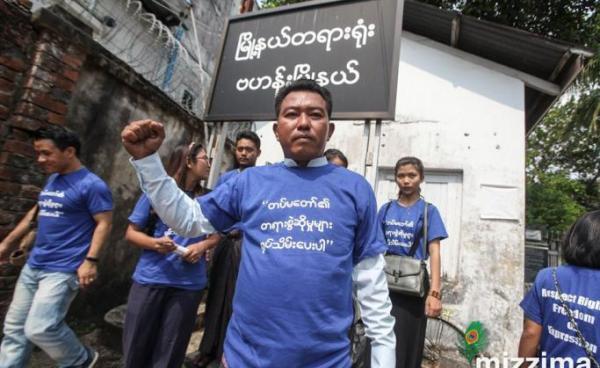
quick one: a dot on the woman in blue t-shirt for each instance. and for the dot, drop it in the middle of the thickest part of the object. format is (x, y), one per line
(170, 275)
(401, 224)
(562, 308)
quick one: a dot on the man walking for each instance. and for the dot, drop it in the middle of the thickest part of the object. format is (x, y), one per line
(74, 220)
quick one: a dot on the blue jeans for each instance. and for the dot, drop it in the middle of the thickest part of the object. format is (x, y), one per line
(37, 315)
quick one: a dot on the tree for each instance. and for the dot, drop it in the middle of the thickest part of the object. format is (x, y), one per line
(563, 154)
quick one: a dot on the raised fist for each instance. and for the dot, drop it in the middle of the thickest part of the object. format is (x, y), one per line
(142, 138)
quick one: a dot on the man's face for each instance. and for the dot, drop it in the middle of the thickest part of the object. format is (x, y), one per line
(50, 158)
(246, 153)
(303, 127)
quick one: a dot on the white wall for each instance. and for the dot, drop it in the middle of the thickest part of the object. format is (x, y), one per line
(464, 118)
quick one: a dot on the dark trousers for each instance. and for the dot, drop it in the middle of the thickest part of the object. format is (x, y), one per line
(410, 327)
(158, 325)
(223, 276)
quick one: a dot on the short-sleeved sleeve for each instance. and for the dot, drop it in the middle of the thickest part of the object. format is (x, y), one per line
(98, 198)
(141, 212)
(435, 227)
(532, 302)
(367, 243)
(379, 223)
(222, 206)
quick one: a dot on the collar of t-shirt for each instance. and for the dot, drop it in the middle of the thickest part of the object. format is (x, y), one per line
(316, 162)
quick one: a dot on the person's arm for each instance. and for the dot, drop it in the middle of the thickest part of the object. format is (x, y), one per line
(183, 214)
(433, 303)
(197, 250)
(88, 270)
(142, 139)
(375, 308)
(530, 339)
(10, 241)
(136, 237)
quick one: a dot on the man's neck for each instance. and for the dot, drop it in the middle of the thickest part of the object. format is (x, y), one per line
(71, 168)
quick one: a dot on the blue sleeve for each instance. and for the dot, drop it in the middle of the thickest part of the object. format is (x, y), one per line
(532, 302)
(222, 206)
(141, 212)
(379, 225)
(99, 197)
(367, 244)
(435, 227)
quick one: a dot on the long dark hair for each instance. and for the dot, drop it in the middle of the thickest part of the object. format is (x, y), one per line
(410, 160)
(581, 245)
(177, 164)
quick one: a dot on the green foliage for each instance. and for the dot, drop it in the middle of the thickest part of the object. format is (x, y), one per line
(552, 201)
(563, 153)
(268, 4)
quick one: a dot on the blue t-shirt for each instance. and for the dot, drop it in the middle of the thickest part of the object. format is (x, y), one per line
(227, 176)
(580, 290)
(402, 224)
(157, 269)
(65, 220)
(303, 233)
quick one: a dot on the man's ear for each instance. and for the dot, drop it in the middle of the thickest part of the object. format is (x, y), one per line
(331, 130)
(275, 131)
(258, 154)
(70, 152)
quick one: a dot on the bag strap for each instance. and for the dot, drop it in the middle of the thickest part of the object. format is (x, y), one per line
(413, 248)
(582, 340)
(385, 212)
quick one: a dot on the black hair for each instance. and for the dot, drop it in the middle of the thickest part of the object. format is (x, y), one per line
(304, 85)
(250, 135)
(332, 153)
(410, 160)
(62, 138)
(581, 245)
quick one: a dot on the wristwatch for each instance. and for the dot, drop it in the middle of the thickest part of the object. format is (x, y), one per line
(436, 294)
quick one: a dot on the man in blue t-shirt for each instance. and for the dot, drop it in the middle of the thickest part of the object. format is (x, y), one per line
(309, 237)
(247, 150)
(74, 217)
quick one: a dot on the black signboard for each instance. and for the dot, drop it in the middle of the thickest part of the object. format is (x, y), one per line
(351, 47)
(536, 258)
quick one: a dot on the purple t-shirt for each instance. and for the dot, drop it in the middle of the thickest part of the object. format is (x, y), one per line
(401, 225)
(580, 288)
(65, 219)
(154, 268)
(304, 230)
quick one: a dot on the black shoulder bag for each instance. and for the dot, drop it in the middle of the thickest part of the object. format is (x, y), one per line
(406, 274)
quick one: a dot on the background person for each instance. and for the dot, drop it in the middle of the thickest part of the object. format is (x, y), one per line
(401, 224)
(293, 300)
(74, 221)
(336, 157)
(547, 330)
(225, 264)
(167, 287)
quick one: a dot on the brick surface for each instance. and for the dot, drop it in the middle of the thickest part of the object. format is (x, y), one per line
(13, 63)
(10, 188)
(30, 191)
(58, 119)
(7, 86)
(25, 123)
(22, 148)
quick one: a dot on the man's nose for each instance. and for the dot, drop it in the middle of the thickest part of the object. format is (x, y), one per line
(303, 122)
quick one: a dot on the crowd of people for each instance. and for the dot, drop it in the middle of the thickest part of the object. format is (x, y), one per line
(297, 250)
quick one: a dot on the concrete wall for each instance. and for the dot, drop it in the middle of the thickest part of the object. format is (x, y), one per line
(464, 119)
(53, 72)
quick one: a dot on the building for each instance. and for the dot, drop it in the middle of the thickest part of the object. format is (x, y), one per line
(468, 93)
